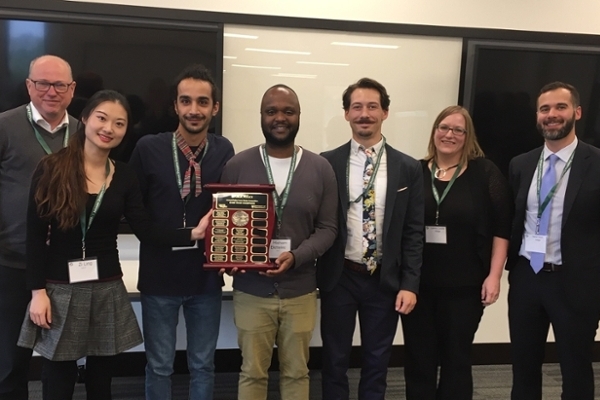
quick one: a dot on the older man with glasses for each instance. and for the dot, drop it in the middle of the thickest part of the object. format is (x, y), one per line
(27, 133)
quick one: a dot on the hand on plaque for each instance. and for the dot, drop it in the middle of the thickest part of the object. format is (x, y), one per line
(199, 231)
(284, 262)
(232, 271)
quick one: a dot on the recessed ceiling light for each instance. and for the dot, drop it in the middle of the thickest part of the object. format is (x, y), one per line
(240, 36)
(374, 46)
(303, 53)
(254, 66)
(323, 63)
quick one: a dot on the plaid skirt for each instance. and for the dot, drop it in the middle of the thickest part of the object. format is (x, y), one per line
(88, 319)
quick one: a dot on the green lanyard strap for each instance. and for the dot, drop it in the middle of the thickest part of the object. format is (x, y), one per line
(85, 225)
(39, 137)
(371, 182)
(280, 200)
(540, 167)
(436, 195)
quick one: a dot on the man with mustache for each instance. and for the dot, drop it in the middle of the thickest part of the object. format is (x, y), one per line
(172, 167)
(278, 307)
(373, 268)
(27, 133)
(554, 257)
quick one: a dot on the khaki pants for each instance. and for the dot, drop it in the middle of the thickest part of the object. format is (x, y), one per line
(263, 322)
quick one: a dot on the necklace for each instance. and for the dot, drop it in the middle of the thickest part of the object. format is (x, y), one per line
(441, 172)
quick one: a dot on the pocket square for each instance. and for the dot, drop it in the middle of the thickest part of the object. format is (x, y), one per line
(402, 189)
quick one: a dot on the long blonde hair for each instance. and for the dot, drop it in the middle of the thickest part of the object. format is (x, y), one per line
(471, 149)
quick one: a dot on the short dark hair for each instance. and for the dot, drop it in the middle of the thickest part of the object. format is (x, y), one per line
(366, 83)
(201, 73)
(561, 85)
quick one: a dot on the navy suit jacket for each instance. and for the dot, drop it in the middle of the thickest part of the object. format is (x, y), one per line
(402, 225)
(580, 234)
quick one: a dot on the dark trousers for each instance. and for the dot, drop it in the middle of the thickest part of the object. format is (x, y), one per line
(14, 360)
(357, 293)
(59, 378)
(439, 332)
(534, 302)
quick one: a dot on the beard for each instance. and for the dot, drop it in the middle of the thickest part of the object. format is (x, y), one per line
(557, 134)
(191, 129)
(276, 141)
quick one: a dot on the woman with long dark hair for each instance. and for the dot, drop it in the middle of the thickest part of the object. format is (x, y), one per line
(79, 306)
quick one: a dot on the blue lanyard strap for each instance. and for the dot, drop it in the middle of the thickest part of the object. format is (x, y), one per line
(39, 137)
(280, 200)
(85, 225)
(371, 179)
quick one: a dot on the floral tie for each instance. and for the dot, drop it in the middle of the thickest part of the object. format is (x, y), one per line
(369, 242)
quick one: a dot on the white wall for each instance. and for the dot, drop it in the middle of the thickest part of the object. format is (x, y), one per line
(575, 16)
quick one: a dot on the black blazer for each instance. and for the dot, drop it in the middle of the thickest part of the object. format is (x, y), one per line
(580, 235)
(403, 228)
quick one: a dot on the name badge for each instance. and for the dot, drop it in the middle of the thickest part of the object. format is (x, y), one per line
(435, 234)
(191, 246)
(83, 270)
(535, 243)
(279, 246)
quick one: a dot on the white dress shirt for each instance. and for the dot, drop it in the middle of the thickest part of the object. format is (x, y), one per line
(39, 120)
(553, 253)
(354, 219)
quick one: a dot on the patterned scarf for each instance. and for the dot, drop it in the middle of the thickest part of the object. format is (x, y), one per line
(193, 165)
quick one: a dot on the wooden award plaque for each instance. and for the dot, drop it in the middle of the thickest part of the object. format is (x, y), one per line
(240, 227)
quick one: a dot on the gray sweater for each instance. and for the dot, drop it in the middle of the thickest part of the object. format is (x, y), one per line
(309, 219)
(20, 153)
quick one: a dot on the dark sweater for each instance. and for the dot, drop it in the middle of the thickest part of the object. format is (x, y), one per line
(164, 272)
(309, 219)
(476, 209)
(122, 197)
(20, 153)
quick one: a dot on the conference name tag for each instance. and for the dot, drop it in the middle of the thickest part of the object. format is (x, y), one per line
(279, 246)
(435, 234)
(535, 243)
(83, 270)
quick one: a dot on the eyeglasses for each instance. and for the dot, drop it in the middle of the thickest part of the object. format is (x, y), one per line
(44, 86)
(457, 130)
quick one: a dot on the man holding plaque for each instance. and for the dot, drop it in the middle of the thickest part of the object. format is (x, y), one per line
(373, 268)
(279, 306)
(172, 167)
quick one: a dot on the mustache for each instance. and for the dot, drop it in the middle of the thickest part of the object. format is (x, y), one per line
(278, 124)
(364, 121)
(193, 117)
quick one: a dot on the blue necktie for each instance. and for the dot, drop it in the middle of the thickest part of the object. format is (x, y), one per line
(548, 181)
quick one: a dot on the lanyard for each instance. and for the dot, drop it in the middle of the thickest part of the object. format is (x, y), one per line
(280, 200)
(371, 179)
(174, 149)
(543, 204)
(39, 137)
(436, 195)
(85, 225)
